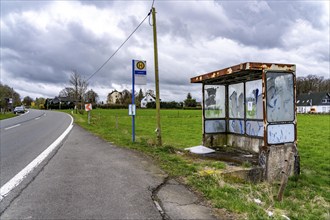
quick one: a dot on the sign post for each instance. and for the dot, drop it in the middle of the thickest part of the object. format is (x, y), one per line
(139, 76)
(88, 109)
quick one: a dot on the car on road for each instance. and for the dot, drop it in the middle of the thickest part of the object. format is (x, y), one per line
(19, 109)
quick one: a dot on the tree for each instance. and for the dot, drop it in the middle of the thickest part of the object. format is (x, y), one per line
(74, 81)
(7, 93)
(126, 97)
(325, 86)
(79, 87)
(139, 97)
(27, 100)
(312, 83)
(151, 92)
(40, 103)
(189, 101)
(67, 92)
(91, 97)
(82, 90)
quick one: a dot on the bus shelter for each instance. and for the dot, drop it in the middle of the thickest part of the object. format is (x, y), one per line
(251, 106)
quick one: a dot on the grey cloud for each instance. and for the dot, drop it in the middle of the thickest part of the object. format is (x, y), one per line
(261, 23)
(99, 4)
(47, 56)
(8, 6)
(44, 56)
(264, 27)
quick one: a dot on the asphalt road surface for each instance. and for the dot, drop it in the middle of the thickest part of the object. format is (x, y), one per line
(24, 137)
(87, 177)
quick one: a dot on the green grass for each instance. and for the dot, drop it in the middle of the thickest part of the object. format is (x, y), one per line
(306, 196)
(7, 115)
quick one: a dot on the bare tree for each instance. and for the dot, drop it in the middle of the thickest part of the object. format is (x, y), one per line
(67, 92)
(312, 83)
(79, 86)
(82, 90)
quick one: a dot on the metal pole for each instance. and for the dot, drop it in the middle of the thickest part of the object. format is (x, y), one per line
(12, 100)
(133, 102)
(158, 130)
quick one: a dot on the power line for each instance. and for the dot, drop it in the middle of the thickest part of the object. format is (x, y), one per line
(119, 47)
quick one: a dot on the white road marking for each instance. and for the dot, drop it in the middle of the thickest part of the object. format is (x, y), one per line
(18, 178)
(37, 118)
(14, 126)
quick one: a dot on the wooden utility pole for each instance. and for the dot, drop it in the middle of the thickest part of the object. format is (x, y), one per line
(158, 130)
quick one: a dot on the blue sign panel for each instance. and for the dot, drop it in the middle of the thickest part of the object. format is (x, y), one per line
(140, 72)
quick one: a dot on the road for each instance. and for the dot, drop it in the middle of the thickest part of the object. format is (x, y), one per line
(24, 137)
(88, 178)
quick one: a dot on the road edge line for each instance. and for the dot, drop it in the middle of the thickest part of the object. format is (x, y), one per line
(14, 126)
(19, 177)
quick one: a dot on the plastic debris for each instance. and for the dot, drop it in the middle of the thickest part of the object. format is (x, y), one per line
(258, 201)
(270, 214)
(200, 150)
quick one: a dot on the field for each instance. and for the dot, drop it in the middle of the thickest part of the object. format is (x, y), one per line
(306, 196)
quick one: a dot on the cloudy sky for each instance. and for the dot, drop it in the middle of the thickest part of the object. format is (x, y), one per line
(43, 41)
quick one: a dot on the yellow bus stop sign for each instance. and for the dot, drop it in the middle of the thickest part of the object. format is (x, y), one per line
(140, 65)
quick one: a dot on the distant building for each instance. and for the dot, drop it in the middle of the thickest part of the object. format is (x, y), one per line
(314, 102)
(148, 98)
(59, 103)
(114, 97)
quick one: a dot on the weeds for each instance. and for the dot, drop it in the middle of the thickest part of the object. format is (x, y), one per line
(306, 196)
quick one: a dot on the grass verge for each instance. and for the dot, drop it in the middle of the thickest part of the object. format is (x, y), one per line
(306, 196)
(7, 115)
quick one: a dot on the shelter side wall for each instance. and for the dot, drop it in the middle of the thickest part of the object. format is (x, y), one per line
(249, 144)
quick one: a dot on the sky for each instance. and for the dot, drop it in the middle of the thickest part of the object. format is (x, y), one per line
(42, 42)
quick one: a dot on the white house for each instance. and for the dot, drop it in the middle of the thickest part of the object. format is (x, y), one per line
(114, 97)
(316, 102)
(148, 98)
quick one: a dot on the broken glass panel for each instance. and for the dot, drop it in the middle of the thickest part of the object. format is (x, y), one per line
(280, 98)
(236, 100)
(214, 101)
(215, 126)
(253, 104)
(255, 128)
(236, 126)
(280, 133)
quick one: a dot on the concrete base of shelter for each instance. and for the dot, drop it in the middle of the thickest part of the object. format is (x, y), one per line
(272, 159)
(250, 144)
(254, 174)
(277, 158)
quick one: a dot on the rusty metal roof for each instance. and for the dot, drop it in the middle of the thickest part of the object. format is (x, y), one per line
(247, 68)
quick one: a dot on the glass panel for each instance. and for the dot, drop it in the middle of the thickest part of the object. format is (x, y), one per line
(253, 104)
(280, 106)
(215, 126)
(236, 126)
(255, 128)
(282, 133)
(214, 101)
(236, 100)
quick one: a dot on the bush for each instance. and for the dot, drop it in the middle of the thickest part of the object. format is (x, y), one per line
(112, 106)
(166, 105)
